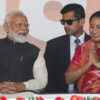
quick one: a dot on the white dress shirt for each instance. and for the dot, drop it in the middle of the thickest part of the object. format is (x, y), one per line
(40, 75)
(72, 52)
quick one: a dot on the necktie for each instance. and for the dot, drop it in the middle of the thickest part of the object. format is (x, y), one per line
(77, 41)
(71, 87)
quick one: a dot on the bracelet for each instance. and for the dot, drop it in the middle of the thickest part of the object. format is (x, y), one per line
(79, 71)
(98, 65)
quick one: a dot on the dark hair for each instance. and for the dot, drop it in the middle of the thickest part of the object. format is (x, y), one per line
(96, 14)
(77, 8)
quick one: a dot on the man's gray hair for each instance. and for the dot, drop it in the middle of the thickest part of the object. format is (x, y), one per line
(10, 14)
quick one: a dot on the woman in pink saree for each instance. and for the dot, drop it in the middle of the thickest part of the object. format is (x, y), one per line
(85, 65)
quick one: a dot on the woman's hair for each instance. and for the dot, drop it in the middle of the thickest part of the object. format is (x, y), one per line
(96, 14)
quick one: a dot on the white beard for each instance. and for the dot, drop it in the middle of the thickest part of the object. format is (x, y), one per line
(15, 36)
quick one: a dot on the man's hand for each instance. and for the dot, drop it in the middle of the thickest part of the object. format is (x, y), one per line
(11, 87)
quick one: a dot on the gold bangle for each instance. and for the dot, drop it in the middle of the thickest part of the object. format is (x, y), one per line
(79, 71)
(98, 65)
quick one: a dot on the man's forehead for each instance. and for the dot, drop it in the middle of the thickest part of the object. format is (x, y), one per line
(69, 14)
(18, 17)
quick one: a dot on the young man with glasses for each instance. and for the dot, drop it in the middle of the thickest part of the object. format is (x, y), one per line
(59, 51)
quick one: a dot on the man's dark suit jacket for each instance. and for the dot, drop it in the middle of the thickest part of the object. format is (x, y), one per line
(57, 56)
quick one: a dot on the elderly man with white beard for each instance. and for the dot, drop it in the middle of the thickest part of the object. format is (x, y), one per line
(22, 65)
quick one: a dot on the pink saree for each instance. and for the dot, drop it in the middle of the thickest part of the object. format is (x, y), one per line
(90, 81)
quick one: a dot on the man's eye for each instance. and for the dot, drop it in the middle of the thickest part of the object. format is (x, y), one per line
(98, 27)
(26, 25)
(91, 26)
(19, 24)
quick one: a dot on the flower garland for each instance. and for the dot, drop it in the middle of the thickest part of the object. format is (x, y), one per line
(73, 97)
(3, 98)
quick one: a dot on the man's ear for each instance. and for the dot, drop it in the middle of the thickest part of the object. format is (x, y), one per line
(6, 27)
(82, 21)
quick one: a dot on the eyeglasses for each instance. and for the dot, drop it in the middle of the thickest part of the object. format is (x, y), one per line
(69, 21)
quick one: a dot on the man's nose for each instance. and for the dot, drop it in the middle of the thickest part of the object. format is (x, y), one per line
(65, 24)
